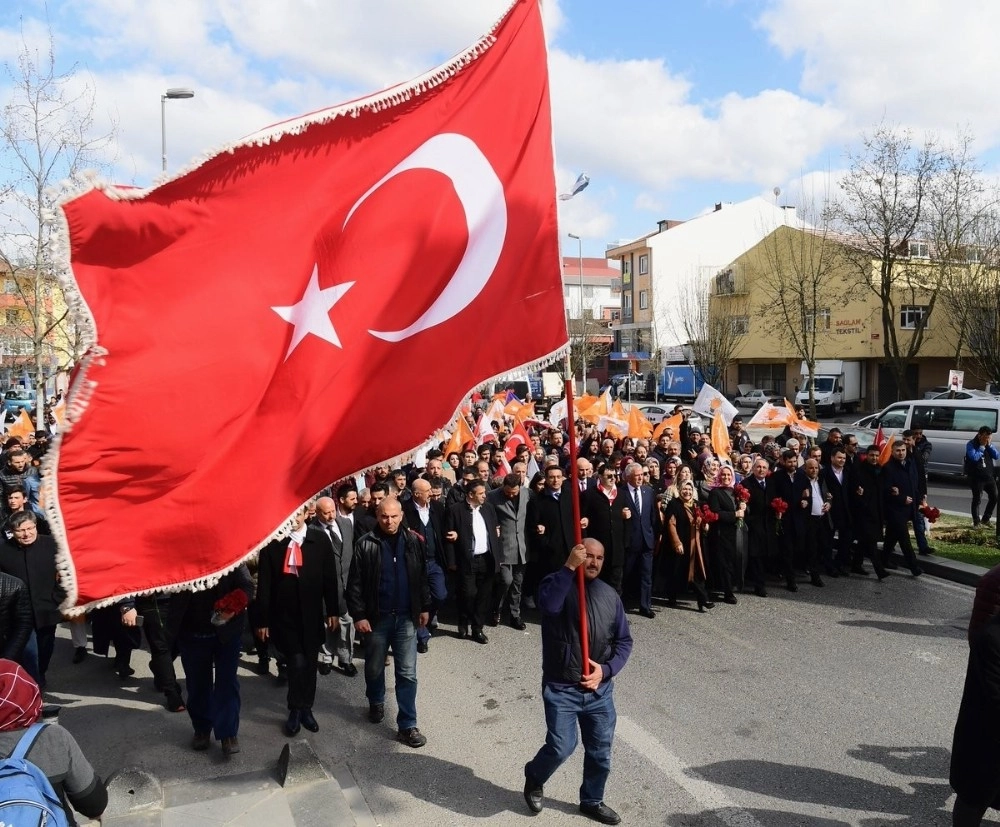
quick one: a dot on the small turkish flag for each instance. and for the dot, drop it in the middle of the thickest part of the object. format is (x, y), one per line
(518, 436)
(260, 322)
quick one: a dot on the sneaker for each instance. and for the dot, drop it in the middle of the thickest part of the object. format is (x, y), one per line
(201, 741)
(230, 746)
(412, 737)
(376, 713)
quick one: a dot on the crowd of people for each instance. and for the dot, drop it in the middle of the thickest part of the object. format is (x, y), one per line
(468, 536)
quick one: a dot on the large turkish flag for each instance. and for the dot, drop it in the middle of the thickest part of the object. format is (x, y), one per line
(308, 303)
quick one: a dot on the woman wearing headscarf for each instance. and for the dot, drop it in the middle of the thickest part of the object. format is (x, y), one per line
(722, 533)
(682, 530)
(54, 751)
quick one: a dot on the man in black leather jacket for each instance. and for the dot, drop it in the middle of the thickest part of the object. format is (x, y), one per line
(16, 619)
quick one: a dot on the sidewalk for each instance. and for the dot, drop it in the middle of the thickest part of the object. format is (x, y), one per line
(154, 778)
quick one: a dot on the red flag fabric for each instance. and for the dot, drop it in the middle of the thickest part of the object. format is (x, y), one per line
(518, 436)
(259, 322)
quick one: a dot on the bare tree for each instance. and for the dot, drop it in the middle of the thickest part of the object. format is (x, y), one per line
(793, 270)
(46, 131)
(713, 324)
(589, 344)
(884, 206)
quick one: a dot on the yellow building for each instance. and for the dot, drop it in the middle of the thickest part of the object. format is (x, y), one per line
(831, 312)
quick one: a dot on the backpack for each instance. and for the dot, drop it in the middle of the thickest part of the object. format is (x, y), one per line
(28, 797)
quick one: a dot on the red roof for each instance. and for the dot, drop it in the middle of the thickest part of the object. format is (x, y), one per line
(596, 268)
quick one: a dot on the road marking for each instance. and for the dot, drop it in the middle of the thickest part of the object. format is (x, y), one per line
(707, 795)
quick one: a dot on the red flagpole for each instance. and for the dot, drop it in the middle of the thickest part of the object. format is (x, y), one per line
(574, 476)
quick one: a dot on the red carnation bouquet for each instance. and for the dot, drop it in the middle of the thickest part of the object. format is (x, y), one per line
(708, 516)
(742, 494)
(228, 606)
(930, 513)
(779, 507)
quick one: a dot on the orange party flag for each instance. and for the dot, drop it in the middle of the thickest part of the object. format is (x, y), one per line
(638, 426)
(462, 435)
(885, 453)
(720, 436)
(673, 422)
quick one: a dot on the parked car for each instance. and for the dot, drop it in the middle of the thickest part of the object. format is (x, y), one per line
(18, 399)
(757, 397)
(967, 393)
(654, 413)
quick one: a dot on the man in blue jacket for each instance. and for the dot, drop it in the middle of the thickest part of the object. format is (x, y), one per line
(570, 695)
(980, 469)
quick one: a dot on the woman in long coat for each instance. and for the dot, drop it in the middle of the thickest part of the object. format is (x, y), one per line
(722, 533)
(682, 536)
(975, 753)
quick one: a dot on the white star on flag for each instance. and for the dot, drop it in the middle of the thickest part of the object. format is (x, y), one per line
(312, 312)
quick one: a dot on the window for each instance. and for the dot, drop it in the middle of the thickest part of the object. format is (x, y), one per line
(13, 316)
(9, 286)
(911, 315)
(626, 267)
(819, 321)
(725, 283)
(643, 265)
(973, 255)
(894, 418)
(940, 418)
(644, 300)
(627, 302)
(741, 325)
(919, 249)
(616, 315)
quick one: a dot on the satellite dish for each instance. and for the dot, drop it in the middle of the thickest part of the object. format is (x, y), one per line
(776, 191)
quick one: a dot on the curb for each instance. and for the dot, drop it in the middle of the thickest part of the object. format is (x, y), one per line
(953, 570)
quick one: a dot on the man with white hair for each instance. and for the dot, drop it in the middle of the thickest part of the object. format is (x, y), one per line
(642, 528)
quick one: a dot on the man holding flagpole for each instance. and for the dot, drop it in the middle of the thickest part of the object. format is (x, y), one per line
(572, 697)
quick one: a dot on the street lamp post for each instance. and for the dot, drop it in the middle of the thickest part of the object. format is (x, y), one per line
(175, 93)
(583, 324)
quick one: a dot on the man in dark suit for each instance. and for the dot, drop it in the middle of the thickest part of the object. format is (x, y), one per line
(426, 518)
(585, 475)
(550, 526)
(606, 515)
(840, 481)
(297, 590)
(472, 548)
(781, 485)
(900, 496)
(758, 535)
(510, 501)
(339, 532)
(643, 527)
(811, 510)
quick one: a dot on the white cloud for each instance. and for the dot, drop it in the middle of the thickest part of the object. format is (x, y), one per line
(924, 64)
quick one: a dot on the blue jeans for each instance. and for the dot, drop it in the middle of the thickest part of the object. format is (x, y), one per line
(213, 700)
(38, 652)
(398, 632)
(595, 712)
(439, 594)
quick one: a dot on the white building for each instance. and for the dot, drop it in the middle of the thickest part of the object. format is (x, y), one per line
(684, 256)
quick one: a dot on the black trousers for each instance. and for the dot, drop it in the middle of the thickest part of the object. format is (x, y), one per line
(816, 542)
(162, 646)
(978, 486)
(897, 532)
(784, 548)
(844, 545)
(476, 592)
(302, 671)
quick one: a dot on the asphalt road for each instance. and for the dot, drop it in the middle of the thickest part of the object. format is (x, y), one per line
(825, 708)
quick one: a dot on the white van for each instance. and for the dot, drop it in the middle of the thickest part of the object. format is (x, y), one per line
(948, 424)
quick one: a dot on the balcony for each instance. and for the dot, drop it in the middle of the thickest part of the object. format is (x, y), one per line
(728, 282)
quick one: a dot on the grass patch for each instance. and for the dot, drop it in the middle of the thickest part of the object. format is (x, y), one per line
(954, 538)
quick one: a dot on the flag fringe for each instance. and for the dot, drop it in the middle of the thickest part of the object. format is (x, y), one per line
(82, 390)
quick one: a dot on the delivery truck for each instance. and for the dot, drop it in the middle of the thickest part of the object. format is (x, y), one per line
(838, 385)
(679, 383)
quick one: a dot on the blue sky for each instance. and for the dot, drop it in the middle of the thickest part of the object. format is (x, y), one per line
(668, 106)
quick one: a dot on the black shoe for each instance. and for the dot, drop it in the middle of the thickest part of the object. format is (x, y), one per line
(843, 571)
(463, 632)
(324, 667)
(349, 669)
(915, 570)
(494, 621)
(376, 712)
(792, 586)
(859, 570)
(517, 623)
(282, 677)
(533, 794)
(230, 746)
(479, 637)
(263, 666)
(308, 720)
(881, 573)
(600, 812)
(816, 580)
(80, 654)
(729, 598)
(201, 741)
(760, 591)
(705, 604)
(927, 551)
(422, 647)
(124, 672)
(647, 613)
(292, 724)
(412, 737)
(175, 702)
